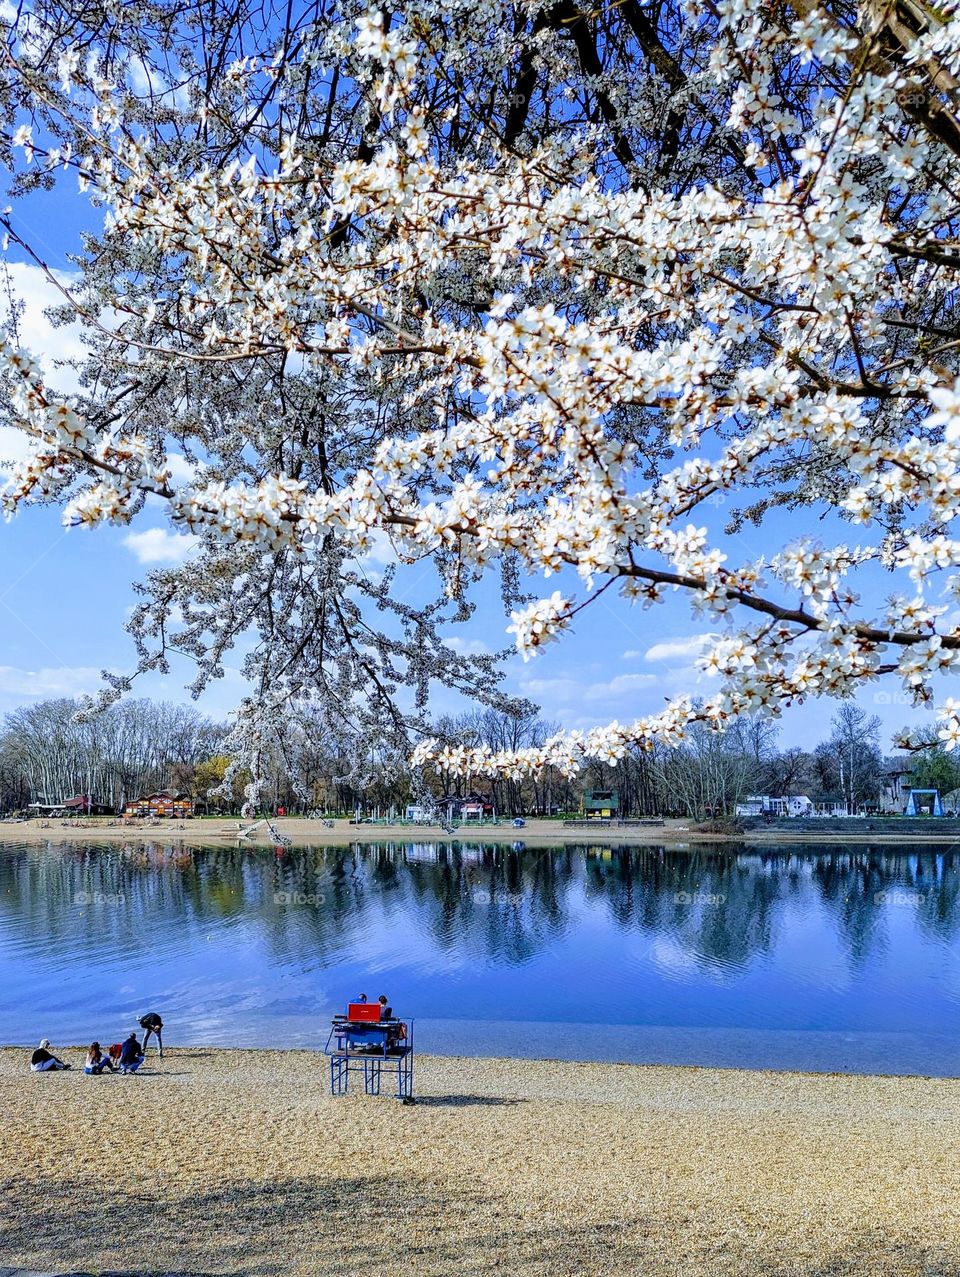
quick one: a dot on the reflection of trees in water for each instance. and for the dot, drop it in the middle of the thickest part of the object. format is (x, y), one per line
(87, 896)
(731, 933)
(718, 907)
(849, 884)
(723, 908)
(939, 910)
(861, 886)
(488, 903)
(485, 903)
(496, 904)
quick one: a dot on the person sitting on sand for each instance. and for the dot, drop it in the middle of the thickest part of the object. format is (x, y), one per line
(386, 1010)
(151, 1023)
(131, 1054)
(43, 1062)
(97, 1060)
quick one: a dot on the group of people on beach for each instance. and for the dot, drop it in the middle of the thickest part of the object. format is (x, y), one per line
(122, 1057)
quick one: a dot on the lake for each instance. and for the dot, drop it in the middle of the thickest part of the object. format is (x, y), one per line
(838, 959)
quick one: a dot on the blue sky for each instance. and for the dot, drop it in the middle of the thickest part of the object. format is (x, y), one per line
(65, 594)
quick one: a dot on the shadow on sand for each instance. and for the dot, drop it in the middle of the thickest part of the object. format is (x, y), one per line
(385, 1225)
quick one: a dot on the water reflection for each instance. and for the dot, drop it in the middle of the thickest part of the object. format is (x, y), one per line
(245, 943)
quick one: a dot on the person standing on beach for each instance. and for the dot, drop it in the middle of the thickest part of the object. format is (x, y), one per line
(151, 1023)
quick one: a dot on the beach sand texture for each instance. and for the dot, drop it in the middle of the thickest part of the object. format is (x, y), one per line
(241, 1162)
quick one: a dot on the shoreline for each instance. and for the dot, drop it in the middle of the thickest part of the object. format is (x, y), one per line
(536, 833)
(240, 1162)
(73, 1053)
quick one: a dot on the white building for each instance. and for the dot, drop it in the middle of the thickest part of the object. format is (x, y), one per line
(764, 805)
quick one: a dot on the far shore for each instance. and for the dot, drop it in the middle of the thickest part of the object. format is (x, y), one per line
(676, 834)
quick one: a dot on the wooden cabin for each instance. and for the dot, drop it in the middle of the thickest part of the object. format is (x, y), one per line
(84, 805)
(166, 804)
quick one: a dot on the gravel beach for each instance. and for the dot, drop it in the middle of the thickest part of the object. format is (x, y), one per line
(241, 1162)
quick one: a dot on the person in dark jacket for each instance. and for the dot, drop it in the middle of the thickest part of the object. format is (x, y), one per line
(43, 1062)
(151, 1023)
(131, 1054)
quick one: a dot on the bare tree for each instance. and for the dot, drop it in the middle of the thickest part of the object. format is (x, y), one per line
(55, 752)
(850, 762)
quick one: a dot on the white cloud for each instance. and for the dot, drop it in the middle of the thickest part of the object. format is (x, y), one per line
(632, 654)
(46, 343)
(64, 680)
(556, 693)
(559, 689)
(157, 545)
(14, 446)
(674, 649)
(621, 685)
(147, 81)
(181, 470)
(140, 80)
(380, 550)
(467, 647)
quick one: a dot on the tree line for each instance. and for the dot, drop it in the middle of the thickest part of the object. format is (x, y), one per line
(53, 750)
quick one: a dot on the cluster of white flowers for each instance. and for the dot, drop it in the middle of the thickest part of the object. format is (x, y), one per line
(540, 623)
(949, 730)
(122, 465)
(764, 336)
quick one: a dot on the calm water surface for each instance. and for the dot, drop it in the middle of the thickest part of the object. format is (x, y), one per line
(838, 959)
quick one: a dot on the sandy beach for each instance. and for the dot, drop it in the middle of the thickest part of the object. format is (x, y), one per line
(241, 1162)
(535, 833)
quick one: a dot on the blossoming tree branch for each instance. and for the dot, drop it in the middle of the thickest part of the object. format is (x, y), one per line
(522, 288)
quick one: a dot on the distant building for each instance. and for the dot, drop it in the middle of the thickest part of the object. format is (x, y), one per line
(753, 805)
(600, 804)
(830, 805)
(166, 804)
(470, 806)
(764, 805)
(81, 805)
(46, 809)
(895, 786)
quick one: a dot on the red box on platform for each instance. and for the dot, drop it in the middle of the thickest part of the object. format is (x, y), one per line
(364, 1012)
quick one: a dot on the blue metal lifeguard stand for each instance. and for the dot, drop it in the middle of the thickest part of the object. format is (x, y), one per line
(371, 1048)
